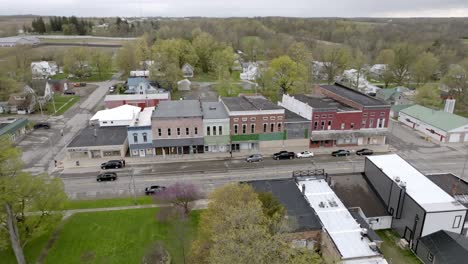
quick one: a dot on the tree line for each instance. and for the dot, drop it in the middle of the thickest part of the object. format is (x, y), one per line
(66, 25)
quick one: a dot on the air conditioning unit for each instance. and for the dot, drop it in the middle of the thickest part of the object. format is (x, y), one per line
(363, 231)
(402, 243)
(373, 246)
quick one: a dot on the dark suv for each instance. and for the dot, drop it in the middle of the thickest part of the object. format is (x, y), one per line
(42, 125)
(153, 189)
(340, 152)
(107, 176)
(112, 164)
(283, 155)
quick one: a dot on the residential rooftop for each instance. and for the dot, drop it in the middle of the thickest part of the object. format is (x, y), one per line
(214, 110)
(338, 221)
(10, 125)
(436, 118)
(180, 108)
(447, 247)
(323, 103)
(353, 95)
(134, 81)
(285, 190)
(423, 191)
(100, 136)
(143, 118)
(249, 103)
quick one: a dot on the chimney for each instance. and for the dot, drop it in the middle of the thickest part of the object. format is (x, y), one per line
(449, 105)
(303, 189)
(95, 132)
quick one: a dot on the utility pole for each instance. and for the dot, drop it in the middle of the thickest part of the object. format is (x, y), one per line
(134, 188)
(53, 103)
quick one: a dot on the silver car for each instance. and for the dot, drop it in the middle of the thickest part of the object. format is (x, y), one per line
(254, 158)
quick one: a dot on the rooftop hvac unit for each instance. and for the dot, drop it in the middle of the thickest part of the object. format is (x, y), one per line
(373, 246)
(402, 184)
(397, 179)
(363, 231)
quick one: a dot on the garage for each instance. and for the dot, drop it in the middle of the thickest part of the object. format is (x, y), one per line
(454, 138)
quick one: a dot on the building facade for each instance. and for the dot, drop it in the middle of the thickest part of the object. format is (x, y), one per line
(140, 139)
(216, 127)
(177, 128)
(140, 100)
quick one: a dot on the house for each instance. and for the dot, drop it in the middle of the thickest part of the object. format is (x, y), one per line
(94, 142)
(177, 128)
(335, 123)
(19, 40)
(14, 127)
(119, 116)
(255, 122)
(443, 247)
(23, 102)
(43, 69)
(350, 78)
(144, 74)
(249, 71)
(343, 237)
(215, 127)
(377, 71)
(42, 90)
(140, 100)
(4, 107)
(140, 85)
(187, 70)
(418, 206)
(436, 124)
(319, 70)
(183, 85)
(140, 139)
(146, 64)
(396, 96)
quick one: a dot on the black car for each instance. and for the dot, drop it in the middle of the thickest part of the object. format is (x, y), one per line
(340, 152)
(107, 176)
(69, 92)
(283, 155)
(364, 152)
(112, 164)
(42, 125)
(153, 189)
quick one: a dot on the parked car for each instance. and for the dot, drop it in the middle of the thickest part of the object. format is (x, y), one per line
(107, 176)
(69, 92)
(340, 152)
(112, 164)
(304, 154)
(42, 125)
(111, 89)
(153, 189)
(283, 155)
(81, 84)
(364, 152)
(254, 158)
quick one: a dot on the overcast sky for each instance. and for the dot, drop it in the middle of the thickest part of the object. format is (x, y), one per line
(229, 8)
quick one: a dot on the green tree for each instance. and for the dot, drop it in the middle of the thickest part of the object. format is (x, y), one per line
(358, 63)
(252, 46)
(387, 57)
(126, 59)
(429, 96)
(457, 81)
(172, 74)
(101, 61)
(76, 62)
(204, 44)
(7, 87)
(404, 57)
(222, 62)
(143, 51)
(286, 73)
(335, 61)
(21, 193)
(299, 52)
(425, 66)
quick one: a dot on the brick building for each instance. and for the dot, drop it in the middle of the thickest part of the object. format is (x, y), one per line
(141, 100)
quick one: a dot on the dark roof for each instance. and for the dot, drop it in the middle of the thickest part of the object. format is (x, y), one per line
(289, 195)
(353, 95)
(178, 109)
(323, 102)
(347, 186)
(214, 110)
(447, 247)
(105, 136)
(451, 184)
(38, 85)
(293, 117)
(10, 126)
(249, 103)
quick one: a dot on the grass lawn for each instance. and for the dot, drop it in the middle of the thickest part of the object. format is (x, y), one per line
(233, 89)
(392, 252)
(62, 103)
(212, 77)
(117, 237)
(84, 41)
(102, 203)
(93, 78)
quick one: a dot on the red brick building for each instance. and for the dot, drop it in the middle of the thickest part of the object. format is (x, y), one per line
(141, 100)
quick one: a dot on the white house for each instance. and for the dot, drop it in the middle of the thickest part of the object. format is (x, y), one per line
(122, 115)
(140, 74)
(376, 71)
(436, 124)
(183, 85)
(187, 70)
(140, 85)
(350, 78)
(43, 69)
(249, 71)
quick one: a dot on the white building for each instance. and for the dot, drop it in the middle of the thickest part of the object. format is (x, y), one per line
(120, 116)
(187, 70)
(348, 237)
(419, 207)
(145, 74)
(183, 85)
(350, 78)
(249, 72)
(43, 69)
(18, 40)
(376, 71)
(436, 124)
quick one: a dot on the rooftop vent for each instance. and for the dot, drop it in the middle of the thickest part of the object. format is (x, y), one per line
(364, 232)
(403, 184)
(397, 179)
(373, 246)
(212, 108)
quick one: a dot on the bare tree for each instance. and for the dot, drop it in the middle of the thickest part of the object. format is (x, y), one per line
(180, 195)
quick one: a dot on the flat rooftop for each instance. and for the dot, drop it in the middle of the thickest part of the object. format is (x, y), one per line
(354, 95)
(144, 118)
(214, 110)
(337, 220)
(324, 103)
(120, 113)
(425, 192)
(249, 103)
(285, 190)
(105, 136)
(293, 117)
(123, 97)
(346, 187)
(176, 109)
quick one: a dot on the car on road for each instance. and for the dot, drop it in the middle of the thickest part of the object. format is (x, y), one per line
(111, 89)
(340, 153)
(254, 158)
(42, 125)
(112, 164)
(153, 189)
(69, 92)
(364, 152)
(283, 155)
(304, 154)
(106, 176)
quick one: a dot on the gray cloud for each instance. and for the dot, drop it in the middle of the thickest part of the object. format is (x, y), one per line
(223, 8)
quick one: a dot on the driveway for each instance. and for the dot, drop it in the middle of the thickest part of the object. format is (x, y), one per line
(201, 90)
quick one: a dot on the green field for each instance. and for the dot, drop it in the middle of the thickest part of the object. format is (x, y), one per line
(62, 104)
(102, 203)
(84, 41)
(392, 252)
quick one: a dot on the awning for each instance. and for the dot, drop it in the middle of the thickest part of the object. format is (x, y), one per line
(337, 134)
(178, 142)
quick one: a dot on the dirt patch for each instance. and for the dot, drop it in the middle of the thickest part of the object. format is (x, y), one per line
(88, 256)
